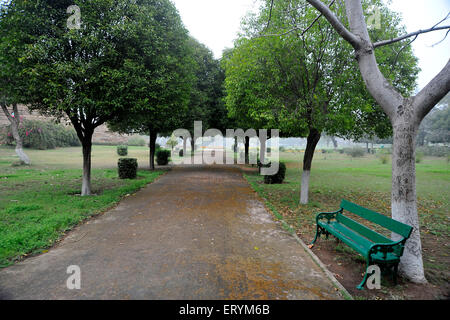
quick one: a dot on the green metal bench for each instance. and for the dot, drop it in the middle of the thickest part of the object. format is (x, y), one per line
(373, 246)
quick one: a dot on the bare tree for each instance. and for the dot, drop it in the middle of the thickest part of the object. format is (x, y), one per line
(405, 113)
(14, 119)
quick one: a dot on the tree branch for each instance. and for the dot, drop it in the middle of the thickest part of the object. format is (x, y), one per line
(409, 35)
(336, 23)
(433, 92)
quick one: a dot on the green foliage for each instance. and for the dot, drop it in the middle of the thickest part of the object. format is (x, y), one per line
(122, 150)
(435, 127)
(162, 157)
(181, 152)
(278, 177)
(127, 168)
(136, 141)
(172, 142)
(384, 158)
(43, 135)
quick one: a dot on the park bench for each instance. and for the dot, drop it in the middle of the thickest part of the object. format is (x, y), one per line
(373, 246)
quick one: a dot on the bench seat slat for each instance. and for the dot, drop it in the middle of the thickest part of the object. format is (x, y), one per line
(362, 230)
(375, 217)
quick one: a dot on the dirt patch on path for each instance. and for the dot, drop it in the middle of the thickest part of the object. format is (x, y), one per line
(196, 233)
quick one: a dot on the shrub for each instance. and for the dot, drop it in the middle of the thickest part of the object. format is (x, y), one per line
(136, 141)
(162, 157)
(277, 177)
(341, 151)
(122, 150)
(181, 153)
(355, 152)
(384, 158)
(282, 149)
(127, 168)
(43, 135)
(419, 157)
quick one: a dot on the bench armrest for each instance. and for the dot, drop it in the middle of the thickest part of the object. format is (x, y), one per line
(327, 215)
(395, 247)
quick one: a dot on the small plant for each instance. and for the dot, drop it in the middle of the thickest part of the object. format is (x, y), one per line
(419, 157)
(341, 151)
(384, 158)
(181, 153)
(127, 168)
(162, 157)
(277, 177)
(122, 150)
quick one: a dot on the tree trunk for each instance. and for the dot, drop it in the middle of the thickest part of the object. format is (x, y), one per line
(312, 141)
(404, 203)
(247, 147)
(152, 146)
(87, 150)
(14, 121)
(335, 144)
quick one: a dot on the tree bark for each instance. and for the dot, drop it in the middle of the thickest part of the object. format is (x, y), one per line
(152, 146)
(247, 147)
(87, 150)
(312, 141)
(404, 198)
(14, 121)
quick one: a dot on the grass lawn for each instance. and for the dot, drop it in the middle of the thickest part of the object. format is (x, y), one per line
(39, 203)
(365, 181)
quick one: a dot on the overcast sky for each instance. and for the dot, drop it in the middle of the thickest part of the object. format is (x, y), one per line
(216, 23)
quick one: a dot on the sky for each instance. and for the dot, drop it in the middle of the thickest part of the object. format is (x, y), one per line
(216, 24)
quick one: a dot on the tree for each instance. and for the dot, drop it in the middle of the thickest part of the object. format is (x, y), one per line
(301, 82)
(172, 142)
(162, 78)
(12, 43)
(405, 113)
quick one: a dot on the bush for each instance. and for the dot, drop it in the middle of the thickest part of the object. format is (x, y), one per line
(127, 168)
(419, 157)
(434, 151)
(162, 157)
(181, 153)
(277, 177)
(122, 150)
(384, 158)
(43, 135)
(355, 152)
(341, 151)
(136, 141)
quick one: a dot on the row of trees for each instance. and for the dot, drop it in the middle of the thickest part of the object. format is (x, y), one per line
(131, 64)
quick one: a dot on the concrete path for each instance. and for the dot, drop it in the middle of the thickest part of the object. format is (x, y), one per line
(196, 233)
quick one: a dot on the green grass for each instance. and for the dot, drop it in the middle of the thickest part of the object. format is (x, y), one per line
(39, 203)
(365, 181)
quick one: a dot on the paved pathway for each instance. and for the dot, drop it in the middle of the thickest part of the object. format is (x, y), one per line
(196, 233)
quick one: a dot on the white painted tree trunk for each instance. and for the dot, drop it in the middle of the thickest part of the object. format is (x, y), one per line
(86, 184)
(404, 203)
(304, 189)
(14, 121)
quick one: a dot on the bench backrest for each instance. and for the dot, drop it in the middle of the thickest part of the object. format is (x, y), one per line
(393, 225)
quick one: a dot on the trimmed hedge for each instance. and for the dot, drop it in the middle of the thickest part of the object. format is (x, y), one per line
(43, 135)
(127, 168)
(277, 177)
(122, 150)
(162, 157)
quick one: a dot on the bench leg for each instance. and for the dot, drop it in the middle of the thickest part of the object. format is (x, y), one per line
(394, 273)
(317, 235)
(363, 282)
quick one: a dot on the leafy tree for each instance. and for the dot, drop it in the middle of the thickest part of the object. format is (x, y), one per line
(435, 127)
(303, 82)
(12, 45)
(161, 77)
(404, 111)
